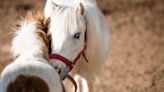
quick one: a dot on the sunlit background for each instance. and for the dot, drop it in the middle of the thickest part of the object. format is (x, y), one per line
(136, 60)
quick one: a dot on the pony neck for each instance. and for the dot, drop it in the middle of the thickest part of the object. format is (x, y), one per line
(27, 43)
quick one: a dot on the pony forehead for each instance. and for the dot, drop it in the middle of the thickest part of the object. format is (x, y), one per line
(66, 19)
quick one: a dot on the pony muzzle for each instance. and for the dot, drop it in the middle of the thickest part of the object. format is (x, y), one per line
(60, 66)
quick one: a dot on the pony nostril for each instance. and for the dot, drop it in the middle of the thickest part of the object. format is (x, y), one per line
(58, 69)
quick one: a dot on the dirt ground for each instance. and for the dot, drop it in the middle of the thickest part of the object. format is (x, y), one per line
(136, 60)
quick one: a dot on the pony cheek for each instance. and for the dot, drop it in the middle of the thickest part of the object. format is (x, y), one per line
(78, 47)
(76, 50)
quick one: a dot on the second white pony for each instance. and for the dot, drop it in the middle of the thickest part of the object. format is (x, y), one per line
(78, 28)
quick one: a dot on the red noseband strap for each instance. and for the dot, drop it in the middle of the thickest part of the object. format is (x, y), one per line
(69, 63)
(62, 59)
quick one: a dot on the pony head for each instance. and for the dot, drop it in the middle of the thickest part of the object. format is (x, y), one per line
(70, 21)
(68, 34)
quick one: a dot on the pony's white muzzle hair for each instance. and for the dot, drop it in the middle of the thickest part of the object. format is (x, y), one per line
(60, 67)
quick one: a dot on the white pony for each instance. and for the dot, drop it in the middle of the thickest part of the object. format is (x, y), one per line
(30, 71)
(78, 27)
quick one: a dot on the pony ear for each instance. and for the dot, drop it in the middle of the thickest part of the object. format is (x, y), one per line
(47, 23)
(80, 9)
(54, 5)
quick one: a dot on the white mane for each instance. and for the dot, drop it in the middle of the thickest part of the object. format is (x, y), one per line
(26, 41)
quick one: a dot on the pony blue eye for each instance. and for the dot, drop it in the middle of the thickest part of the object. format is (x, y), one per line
(77, 35)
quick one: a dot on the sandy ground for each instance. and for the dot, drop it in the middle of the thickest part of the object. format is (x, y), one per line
(136, 61)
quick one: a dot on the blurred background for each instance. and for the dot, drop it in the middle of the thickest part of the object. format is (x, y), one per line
(136, 60)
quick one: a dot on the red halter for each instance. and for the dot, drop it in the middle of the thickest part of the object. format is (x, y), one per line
(69, 63)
